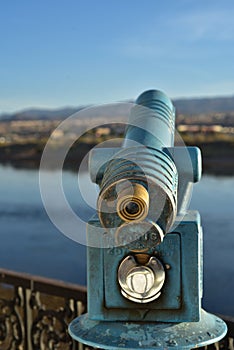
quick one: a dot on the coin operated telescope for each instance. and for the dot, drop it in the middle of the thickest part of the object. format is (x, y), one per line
(144, 246)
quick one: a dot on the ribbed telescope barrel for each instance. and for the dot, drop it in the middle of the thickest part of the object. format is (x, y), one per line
(152, 121)
(139, 185)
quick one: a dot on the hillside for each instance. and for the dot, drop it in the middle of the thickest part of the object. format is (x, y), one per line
(205, 105)
(188, 106)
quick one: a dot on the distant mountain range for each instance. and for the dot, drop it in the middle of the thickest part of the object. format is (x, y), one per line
(39, 114)
(188, 106)
(205, 105)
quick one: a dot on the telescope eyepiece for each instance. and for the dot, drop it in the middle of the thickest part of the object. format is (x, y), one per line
(132, 208)
(133, 203)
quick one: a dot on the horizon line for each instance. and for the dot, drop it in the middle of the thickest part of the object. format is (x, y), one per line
(130, 100)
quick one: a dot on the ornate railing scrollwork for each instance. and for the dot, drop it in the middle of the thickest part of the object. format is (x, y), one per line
(11, 330)
(49, 332)
(35, 312)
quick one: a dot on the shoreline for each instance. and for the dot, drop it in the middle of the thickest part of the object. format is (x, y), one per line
(217, 158)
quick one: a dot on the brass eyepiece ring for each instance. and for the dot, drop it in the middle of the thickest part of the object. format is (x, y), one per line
(133, 203)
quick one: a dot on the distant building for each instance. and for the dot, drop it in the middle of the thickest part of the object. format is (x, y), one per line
(102, 131)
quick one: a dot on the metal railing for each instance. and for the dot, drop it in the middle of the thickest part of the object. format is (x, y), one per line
(35, 313)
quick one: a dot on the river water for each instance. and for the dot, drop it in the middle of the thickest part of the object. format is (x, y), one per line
(31, 243)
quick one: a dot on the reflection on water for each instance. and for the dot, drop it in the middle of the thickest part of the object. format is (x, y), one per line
(214, 197)
(31, 243)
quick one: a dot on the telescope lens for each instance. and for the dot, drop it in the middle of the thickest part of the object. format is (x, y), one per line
(133, 203)
(132, 208)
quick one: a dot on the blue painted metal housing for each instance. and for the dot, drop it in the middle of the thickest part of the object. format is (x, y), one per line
(181, 252)
(148, 159)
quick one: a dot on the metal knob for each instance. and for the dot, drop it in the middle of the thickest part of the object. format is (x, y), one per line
(139, 282)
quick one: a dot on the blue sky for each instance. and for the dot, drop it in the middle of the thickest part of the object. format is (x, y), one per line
(60, 53)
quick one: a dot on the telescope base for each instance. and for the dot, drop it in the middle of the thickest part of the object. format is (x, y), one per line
(148, 336)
